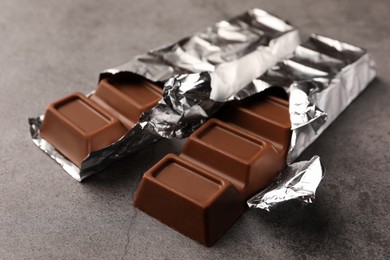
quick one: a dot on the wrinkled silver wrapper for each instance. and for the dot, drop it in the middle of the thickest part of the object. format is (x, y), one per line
(298, 181)
(201, 73)
(322, 77)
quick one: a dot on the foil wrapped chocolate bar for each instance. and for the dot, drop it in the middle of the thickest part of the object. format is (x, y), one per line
(231, 53)
(231, 158)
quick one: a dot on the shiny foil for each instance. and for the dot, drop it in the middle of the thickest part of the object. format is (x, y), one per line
(254, 36)
(200, 73)
(297, 181)
(322, 77)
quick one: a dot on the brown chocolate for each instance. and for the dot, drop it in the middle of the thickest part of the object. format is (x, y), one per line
(77, 125)
(203, 191)
(189, 199)
(126, 100)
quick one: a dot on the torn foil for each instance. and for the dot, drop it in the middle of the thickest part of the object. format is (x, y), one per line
(322, 77)
(298, 181)
(200, 73)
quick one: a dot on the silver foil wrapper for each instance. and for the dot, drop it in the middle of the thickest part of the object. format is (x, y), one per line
(201, 73)
(322, 77)
(331, 93)
(298, 181)
(235, 51)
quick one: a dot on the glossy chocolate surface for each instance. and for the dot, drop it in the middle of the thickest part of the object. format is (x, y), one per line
(202, 192)
(77, 125)
(189, 199)
(127, 99)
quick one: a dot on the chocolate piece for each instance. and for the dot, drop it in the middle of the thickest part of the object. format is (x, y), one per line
(204, 190)
(77, 125)
(189, 199)
(269, 119)
(127, 99)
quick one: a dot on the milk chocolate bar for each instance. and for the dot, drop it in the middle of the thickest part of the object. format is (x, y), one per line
(76, 125)
(203, 191)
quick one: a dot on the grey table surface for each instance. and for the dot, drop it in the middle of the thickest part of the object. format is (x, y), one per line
(49, 49)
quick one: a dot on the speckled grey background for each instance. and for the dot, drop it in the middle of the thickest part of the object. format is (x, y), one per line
(49, 49)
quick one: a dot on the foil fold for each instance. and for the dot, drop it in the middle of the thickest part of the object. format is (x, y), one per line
(224, 42)
(298, 181)
(347, 76)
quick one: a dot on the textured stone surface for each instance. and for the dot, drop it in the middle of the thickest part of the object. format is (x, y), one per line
(52, 48)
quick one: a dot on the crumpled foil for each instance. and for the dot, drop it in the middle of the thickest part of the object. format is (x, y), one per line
(200, 73)
(298, 181)
(348, 70)
(322, 77)
(224, 48)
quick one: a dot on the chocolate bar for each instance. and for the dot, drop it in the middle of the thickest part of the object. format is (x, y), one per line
(203, 191)
(76, 125)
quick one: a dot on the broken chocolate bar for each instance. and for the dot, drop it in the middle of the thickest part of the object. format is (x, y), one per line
(77, 125)
(203, 191)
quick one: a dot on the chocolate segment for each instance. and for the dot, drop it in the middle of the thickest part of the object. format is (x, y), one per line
(232, 154)
(202, 192)
(127, 99)
(189, 199)
(268, 119)
(77, 125)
